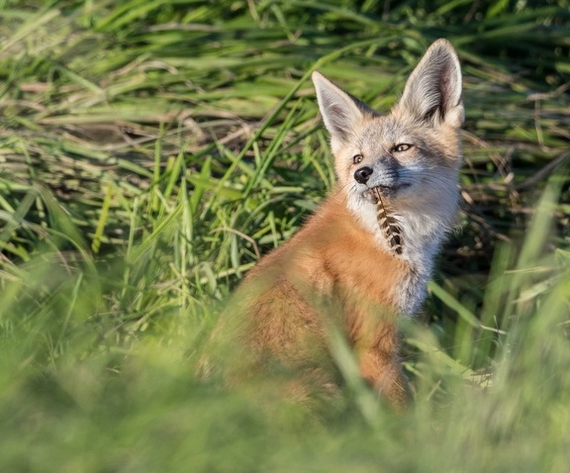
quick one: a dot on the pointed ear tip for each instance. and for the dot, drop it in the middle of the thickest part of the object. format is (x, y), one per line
(443, 44)
(316, 75)
(319, 80)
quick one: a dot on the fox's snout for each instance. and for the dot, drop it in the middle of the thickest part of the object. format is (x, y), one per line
(362, 174)
(384, 173)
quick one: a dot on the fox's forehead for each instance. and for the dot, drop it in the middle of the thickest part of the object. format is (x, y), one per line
(385, 131)
(380, 134)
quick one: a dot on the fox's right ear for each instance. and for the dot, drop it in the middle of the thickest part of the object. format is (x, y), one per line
(341, 112)
(433, 91)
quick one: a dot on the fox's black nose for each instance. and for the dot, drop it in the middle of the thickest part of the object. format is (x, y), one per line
(362, 174)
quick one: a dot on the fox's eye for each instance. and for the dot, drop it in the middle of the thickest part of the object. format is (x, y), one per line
(402, 147)
(356, 159)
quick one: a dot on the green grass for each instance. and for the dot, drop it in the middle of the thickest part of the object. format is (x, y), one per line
(151, 151)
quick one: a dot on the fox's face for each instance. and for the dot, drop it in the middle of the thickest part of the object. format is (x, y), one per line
(403, 160)
(410, 156)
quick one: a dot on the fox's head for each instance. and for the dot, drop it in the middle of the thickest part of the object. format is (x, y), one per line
(412, 154)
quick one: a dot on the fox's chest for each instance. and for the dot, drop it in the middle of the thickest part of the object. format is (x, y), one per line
(411, 293)
(404, 289)
(371, 276)
(418, 241)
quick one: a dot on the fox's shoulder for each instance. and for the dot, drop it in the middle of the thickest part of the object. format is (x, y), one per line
(334, 250)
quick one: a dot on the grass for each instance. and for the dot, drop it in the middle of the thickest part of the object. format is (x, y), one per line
(151, 151)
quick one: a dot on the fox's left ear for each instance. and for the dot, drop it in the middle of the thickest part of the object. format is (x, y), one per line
(433, 91)
(342, 113)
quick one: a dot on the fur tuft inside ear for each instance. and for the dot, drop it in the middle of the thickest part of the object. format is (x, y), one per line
(433, 91)
(341, 112)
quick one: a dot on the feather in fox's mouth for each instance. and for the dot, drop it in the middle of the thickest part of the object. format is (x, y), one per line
(385, 191)
(388, 225)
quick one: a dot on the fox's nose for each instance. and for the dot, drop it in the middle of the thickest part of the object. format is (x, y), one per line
(362, 174)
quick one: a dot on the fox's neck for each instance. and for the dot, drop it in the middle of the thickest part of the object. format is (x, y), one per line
(423, 225)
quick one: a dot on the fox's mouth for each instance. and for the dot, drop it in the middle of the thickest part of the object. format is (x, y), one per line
(388, 192)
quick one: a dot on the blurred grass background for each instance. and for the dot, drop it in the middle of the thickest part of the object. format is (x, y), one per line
(151, 151)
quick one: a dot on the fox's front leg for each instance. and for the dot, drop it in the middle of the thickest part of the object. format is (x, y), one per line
(381, 367)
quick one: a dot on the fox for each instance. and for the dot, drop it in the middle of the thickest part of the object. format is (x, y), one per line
(363, 259)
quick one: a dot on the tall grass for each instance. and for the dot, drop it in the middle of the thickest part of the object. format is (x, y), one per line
(152, 151)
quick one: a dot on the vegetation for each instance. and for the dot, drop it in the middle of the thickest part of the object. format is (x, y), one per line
(152, 150)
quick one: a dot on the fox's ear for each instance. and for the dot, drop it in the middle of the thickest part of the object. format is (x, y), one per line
(341, 112)
(433, 91)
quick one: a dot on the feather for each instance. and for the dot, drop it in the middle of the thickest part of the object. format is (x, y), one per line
(389, 225)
